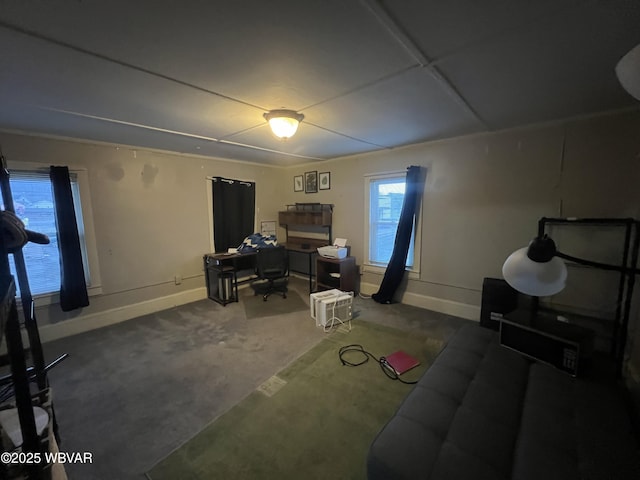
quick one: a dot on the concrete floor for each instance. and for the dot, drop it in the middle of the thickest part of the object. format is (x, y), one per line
(133, 392)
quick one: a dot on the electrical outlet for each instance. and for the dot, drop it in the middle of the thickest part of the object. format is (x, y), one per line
(178, 279)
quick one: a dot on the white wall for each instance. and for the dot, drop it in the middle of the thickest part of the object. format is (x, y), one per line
(484, 195)
(151, 218)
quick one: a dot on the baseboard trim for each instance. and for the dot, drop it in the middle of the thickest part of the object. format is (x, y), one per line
(449, 307)
(112, 316)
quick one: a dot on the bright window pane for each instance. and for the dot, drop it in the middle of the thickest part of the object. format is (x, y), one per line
(386, 197)
(33, 203)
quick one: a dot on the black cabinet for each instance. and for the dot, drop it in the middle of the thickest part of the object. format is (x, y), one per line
(222, 285)
(498, 299)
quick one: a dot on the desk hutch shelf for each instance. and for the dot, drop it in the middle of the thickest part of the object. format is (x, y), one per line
(311, 223)
(307, 216)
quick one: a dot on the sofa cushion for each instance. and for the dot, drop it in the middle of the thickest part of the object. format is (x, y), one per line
(461, 418)
(482, 411)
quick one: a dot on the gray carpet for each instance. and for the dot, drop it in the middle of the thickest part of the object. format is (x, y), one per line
(132, 393)
(255, 306)
(317, 425)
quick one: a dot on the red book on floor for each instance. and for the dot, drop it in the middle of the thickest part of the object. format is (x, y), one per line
(401, 362)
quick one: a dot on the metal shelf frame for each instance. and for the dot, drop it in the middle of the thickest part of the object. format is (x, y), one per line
(628, 263)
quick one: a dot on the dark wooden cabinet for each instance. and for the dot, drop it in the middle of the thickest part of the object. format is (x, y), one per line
(336, 273)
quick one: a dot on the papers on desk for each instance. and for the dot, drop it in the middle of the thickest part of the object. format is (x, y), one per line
(340, 242)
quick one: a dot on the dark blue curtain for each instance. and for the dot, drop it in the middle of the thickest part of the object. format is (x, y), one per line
(395, 269)
(73, 287)
(233, 212)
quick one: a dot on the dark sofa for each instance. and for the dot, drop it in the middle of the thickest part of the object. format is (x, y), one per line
(482, 411)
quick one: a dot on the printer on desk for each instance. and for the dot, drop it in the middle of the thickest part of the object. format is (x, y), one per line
(338, 250)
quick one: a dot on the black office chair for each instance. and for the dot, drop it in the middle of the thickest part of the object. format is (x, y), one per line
(272, 268)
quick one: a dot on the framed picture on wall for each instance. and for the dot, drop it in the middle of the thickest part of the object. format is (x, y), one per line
(324, 180)
(311, 182)
(298, 186)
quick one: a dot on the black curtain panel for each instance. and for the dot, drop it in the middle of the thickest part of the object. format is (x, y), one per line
(234, 207)
(73, 287)
(395, 269)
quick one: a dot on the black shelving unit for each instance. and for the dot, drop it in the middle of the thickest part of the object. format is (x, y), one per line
(20, 380)
(626, 279)
(27, 381)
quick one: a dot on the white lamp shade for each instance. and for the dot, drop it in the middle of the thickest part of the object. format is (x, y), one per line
(628, 71)
(283, 127)
(539, 279)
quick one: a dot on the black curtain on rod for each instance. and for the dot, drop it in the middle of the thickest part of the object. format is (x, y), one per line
(73, 287)
(233, 212)
(396, 267)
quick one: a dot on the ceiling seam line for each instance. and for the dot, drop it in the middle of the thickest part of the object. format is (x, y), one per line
(253, 147)
(505, 32)
(178, 133)
(122, 63)
(387, 21)
(350, 137)
(240, 132)
(131, 124)
(363, 86)
(457, 97)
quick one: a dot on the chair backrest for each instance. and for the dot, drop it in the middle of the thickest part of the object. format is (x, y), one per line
(272, 262)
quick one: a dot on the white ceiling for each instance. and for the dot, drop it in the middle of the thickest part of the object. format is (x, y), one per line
(196, 76)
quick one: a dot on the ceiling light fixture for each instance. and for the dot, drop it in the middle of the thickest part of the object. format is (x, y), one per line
(283, 123)
(628, 71)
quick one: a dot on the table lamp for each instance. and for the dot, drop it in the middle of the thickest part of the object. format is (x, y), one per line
(538, 270)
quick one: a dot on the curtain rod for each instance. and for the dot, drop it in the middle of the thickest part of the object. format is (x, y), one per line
(230, 181)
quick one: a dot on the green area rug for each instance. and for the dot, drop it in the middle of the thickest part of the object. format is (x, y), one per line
(255, 306)
(314, 420)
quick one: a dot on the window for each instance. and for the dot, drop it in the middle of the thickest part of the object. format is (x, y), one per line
(33, 203)
(384, 198)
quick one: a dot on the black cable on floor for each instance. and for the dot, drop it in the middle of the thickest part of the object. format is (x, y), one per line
(364, 358)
